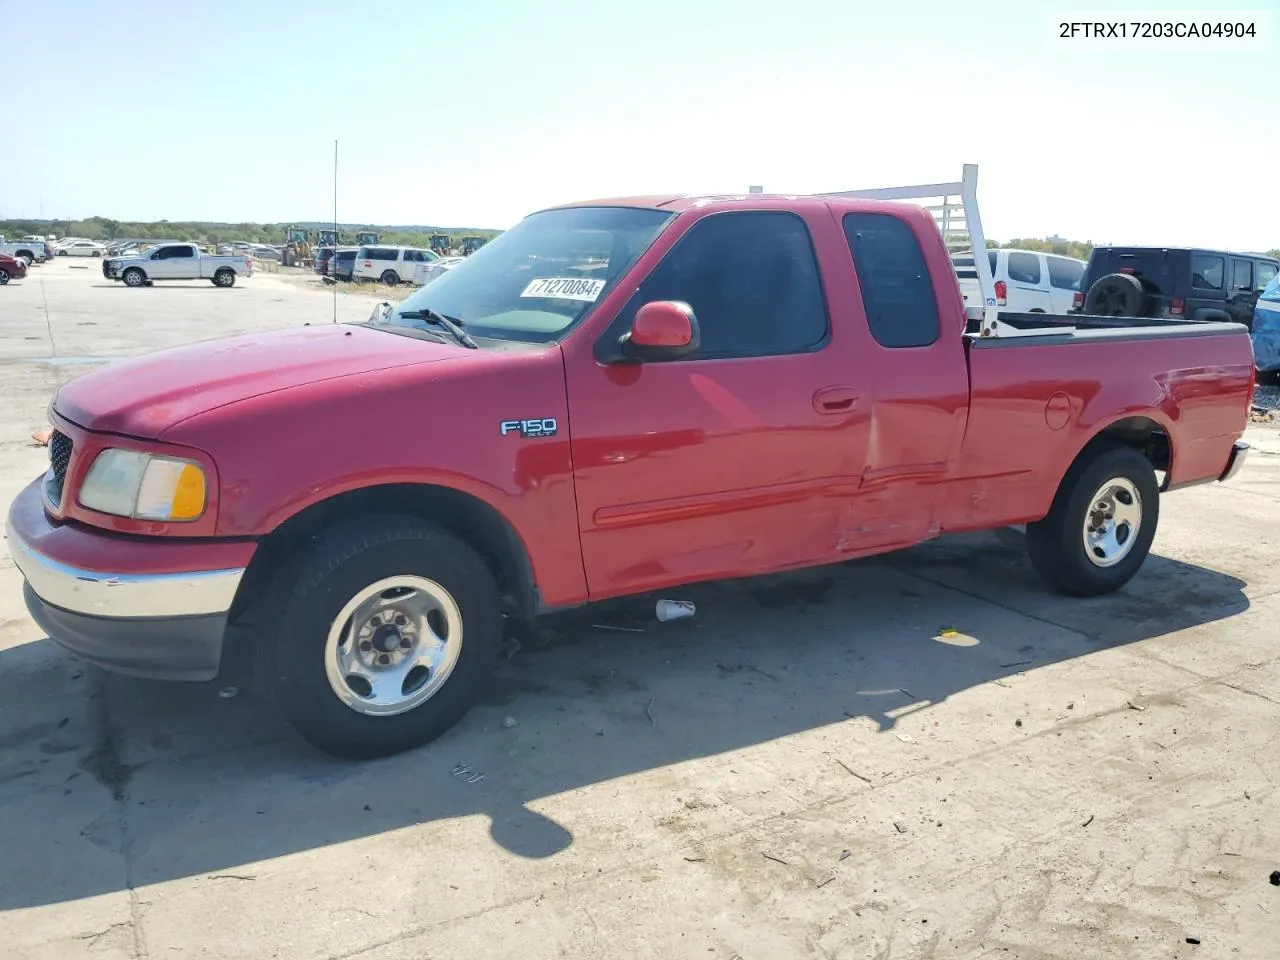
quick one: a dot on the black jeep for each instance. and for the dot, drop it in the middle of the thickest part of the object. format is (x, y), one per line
(1173, 282)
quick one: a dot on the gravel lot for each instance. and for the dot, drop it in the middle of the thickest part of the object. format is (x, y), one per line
(923, 755)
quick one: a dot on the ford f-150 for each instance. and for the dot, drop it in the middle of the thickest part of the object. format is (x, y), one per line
(176, 261)
(610, 398)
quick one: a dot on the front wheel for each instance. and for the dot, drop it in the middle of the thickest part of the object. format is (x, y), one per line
(133, 277)
(1099, 530)
(382, 637)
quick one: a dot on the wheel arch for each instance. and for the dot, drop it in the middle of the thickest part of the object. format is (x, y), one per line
(1148, 432)
(464, 514)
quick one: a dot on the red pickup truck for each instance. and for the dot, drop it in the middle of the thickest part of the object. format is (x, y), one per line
(610, 398)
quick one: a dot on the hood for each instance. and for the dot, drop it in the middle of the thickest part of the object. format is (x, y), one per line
(144, 396)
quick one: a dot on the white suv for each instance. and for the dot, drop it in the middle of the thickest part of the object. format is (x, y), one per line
(389, 265)
(1026, 281)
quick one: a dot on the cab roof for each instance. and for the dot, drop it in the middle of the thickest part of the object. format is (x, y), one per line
(677, 203)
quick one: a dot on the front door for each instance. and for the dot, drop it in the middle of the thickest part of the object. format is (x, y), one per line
(745, 456)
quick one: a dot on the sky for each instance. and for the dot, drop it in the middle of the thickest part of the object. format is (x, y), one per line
(477, 113)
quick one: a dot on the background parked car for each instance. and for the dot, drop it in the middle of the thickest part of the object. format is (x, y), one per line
(1266, 329)
(1174, 282)
(12, 268)
(80, 248)
(322, 260)
(341, 264)
(390, 265)
(429, 271)
(1026, 281)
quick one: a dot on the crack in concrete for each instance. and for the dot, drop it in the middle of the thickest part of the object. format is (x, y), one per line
(108, 768)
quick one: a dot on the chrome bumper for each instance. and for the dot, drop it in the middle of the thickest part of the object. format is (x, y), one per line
(123, 596)
(1239, 452)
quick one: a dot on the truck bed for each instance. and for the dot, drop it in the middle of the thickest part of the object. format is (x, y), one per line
(1036, 400)
(1045, 326)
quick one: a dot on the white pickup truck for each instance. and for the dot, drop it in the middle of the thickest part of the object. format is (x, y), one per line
(32, 251)
(176, 261)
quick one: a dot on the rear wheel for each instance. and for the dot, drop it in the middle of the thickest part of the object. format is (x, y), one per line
(4, 276)
(133, 277)
(1099, 530)
(226, 277)
(382, 638)
(390, 278)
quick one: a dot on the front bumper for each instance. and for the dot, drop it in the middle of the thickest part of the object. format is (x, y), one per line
(1239, 453)
(110, 270)
(150, 615)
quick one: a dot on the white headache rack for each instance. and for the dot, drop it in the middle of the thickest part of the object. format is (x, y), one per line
(955, 209)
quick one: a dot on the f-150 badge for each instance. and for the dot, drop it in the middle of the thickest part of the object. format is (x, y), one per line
(544, 427)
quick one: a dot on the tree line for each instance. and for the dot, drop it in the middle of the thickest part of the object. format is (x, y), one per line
(105, 229)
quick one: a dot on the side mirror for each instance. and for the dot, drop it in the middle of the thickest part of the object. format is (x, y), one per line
(661, 330)
(155, 256)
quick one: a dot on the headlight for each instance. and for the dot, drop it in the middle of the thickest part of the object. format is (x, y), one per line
(130, 484)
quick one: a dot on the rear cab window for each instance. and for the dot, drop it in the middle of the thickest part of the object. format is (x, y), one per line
(897, 291)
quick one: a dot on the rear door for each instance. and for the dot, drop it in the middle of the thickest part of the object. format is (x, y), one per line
(1242, 297)
(1028, 282)
(1210, 279)
(920, 377)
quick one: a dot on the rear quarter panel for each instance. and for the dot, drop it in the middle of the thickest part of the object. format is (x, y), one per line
(1034, 407)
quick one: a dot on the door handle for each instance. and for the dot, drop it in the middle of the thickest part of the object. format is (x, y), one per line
(836, 400)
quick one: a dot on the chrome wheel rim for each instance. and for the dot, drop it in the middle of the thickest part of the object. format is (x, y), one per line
(393, 645)
(1112, 522)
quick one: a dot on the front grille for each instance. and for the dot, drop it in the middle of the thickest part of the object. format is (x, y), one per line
(60, 447)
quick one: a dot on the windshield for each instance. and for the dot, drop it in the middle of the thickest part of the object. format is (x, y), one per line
(540, 277)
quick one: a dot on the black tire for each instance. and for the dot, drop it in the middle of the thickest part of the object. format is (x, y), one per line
(226, 277)
(95, 253)
(390, 278)
(4, 276)
(309, 597)
(1116, 295)
(61, 253)
(1056, 544)
(134, 277)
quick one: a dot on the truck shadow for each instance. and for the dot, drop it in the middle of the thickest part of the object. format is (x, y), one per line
(104, 778)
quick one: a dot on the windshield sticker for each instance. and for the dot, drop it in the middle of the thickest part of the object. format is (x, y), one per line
(564, 288)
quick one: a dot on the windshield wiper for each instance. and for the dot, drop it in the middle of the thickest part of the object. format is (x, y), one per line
(440, 320)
